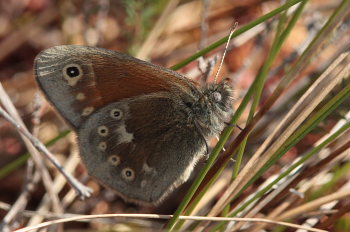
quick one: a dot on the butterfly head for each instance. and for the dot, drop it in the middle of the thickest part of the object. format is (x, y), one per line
(212, 107)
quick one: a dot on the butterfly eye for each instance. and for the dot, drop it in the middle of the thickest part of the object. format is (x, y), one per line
(217, 96)
(128, 174)
(188, 104)
(102, 130)
(72, 73)
(114, 160)
(116, 114)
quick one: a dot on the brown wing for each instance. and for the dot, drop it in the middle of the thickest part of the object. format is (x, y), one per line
(78, 80)
(144, 152)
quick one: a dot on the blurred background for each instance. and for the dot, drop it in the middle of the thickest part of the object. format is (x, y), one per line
(164, 32)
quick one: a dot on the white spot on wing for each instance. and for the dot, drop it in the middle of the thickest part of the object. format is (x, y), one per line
(46, 54)
(87, 111)
(45, 73)
(143, 183)
(46, 66)
(147, 169)
(80, 96)
(124, 136)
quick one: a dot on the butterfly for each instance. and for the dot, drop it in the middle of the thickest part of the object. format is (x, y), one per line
(141, 128)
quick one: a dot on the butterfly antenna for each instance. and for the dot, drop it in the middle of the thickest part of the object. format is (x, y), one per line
(223, 56)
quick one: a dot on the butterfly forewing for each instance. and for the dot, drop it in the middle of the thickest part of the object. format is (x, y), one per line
(78, 80)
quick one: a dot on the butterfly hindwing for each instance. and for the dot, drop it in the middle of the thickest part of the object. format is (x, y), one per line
(142, 154)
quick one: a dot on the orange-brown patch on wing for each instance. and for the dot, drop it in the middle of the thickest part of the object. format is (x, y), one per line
(117, 79)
